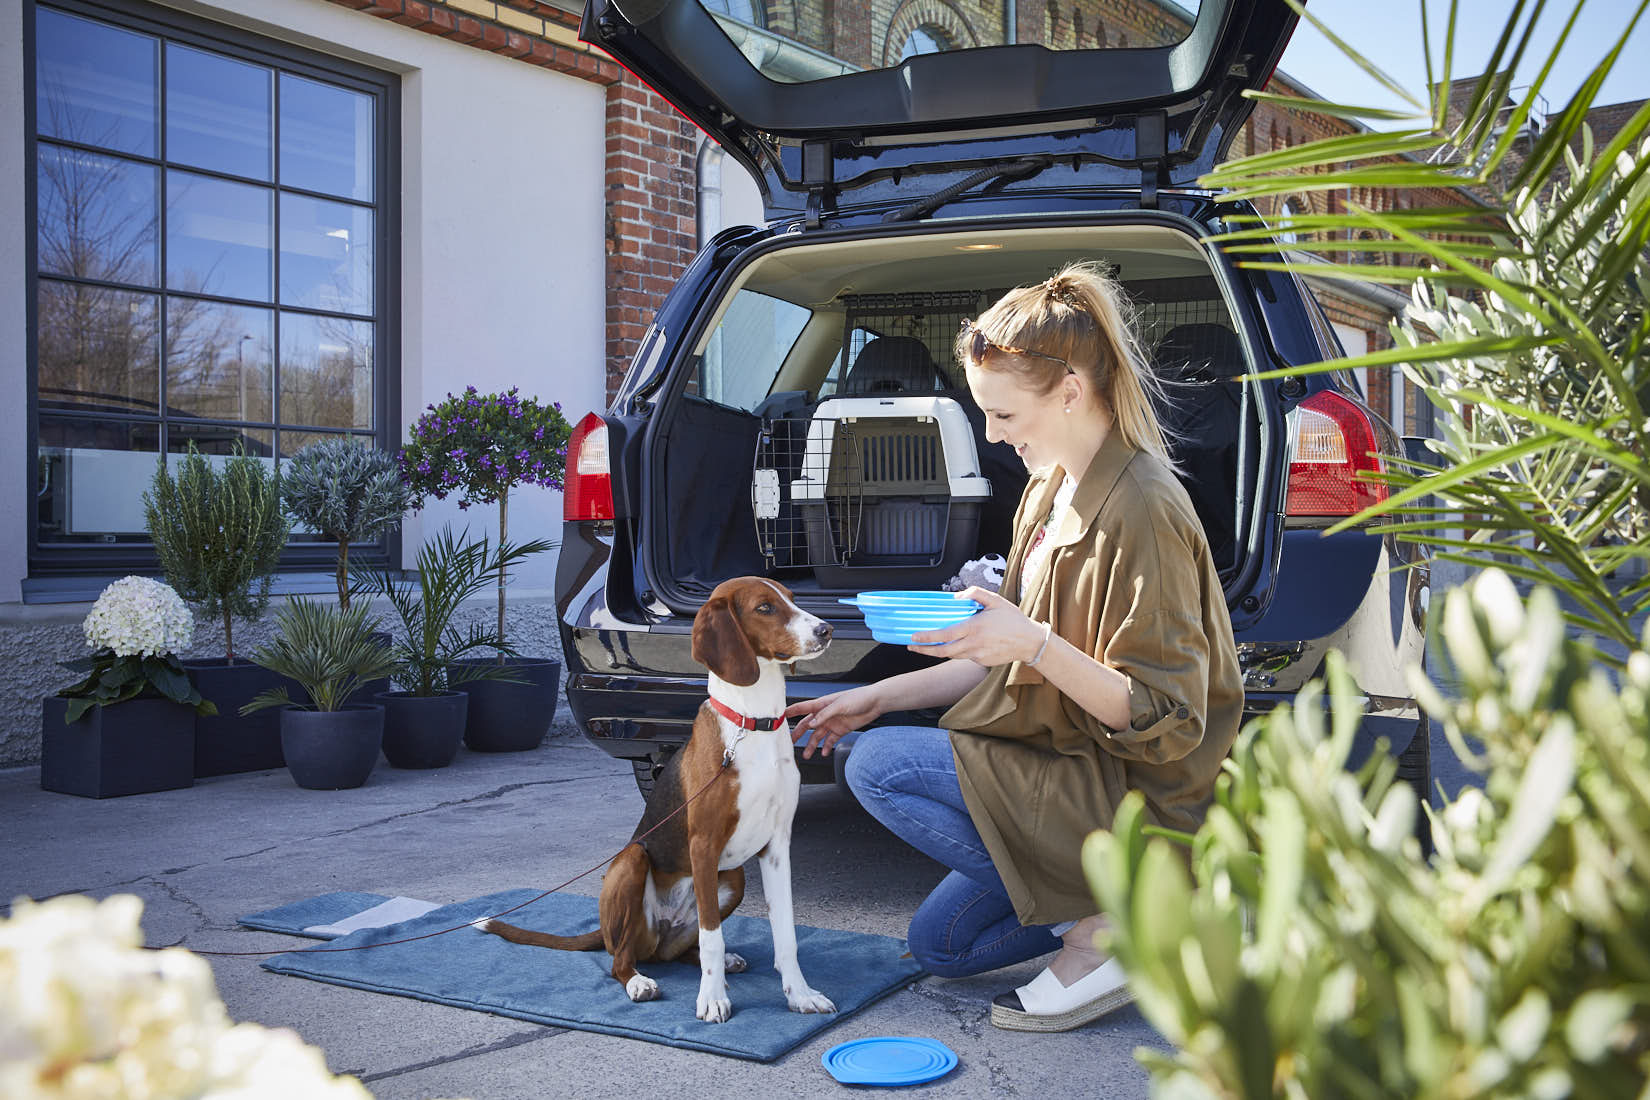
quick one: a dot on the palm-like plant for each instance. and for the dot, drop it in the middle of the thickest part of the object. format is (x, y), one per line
(451, 570)
(328, 650)
(1529, 325)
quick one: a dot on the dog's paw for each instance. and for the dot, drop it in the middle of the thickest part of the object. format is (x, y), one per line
(714, 1008)
(736, 964)
(640, 987)
(809, 1000)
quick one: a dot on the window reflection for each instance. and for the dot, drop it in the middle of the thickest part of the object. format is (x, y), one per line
(218, 112)
(95, 84)
(99, 349)
(90, 476)
(154, 316)
(326, 255)
(97, 216)
(326, 371)
(326, 138)
(219, 360)
(219, 236)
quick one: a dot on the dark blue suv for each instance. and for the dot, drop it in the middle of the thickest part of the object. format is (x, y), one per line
(795, 410)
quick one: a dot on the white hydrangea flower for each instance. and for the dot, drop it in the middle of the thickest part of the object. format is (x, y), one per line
(137, 616)
(87, 1014)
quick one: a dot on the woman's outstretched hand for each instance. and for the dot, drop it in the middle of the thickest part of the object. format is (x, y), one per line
(996, 635)
(827, 719)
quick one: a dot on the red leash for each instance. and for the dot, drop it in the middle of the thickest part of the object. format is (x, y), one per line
(727, 759)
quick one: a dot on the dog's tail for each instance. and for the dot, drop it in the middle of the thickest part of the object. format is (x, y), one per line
(590, 941)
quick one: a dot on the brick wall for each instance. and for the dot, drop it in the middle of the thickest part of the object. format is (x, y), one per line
(652, 213)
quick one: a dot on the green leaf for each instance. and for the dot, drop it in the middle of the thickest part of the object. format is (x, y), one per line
(1594, 1020)
(1283, 843)
(1547, 779)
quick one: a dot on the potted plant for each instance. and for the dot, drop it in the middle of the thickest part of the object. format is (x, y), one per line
(480, 446)
(346, 493)
(128, 727)
(424, 722)
(218, 533)
(329, 743)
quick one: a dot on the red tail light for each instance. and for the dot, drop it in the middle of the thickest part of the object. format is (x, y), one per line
(588, 492)
(1334, 443)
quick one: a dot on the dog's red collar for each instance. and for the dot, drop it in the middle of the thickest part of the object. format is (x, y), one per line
(765, 725)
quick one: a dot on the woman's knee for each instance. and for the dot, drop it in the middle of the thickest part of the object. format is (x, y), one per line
(872, 760)
(930, 944)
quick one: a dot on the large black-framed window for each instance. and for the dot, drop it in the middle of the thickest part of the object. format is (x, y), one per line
(214, 260)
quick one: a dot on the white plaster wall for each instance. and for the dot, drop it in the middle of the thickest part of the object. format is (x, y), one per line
(14, 394)
(502, 276)
(741, 200)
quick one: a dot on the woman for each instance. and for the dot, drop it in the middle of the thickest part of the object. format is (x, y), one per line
(1105, 664)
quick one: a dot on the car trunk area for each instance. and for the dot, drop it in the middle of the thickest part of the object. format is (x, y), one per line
(818, 429)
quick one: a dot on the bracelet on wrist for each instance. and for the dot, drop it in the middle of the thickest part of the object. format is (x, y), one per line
(1048, 632)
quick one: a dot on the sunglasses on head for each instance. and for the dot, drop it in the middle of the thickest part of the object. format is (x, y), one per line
(979, 344)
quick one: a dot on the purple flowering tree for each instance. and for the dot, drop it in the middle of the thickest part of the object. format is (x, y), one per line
(479, 447)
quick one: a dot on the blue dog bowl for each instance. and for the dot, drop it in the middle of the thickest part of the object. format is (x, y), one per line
(894, 616)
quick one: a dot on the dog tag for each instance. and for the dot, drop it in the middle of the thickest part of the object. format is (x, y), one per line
(765, 493)
(889, 1060)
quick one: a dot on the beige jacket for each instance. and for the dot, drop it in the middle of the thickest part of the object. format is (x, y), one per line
(1131, 583)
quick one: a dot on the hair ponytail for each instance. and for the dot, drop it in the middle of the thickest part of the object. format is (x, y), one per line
(1081, 316)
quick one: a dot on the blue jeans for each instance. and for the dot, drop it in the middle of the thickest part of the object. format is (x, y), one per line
(907, 778)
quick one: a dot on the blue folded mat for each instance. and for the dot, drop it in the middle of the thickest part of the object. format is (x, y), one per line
(471, 969)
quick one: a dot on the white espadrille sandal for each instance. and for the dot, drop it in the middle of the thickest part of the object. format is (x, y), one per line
(1044, 1004)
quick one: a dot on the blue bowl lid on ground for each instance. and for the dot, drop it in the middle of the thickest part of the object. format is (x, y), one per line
(889, 1060)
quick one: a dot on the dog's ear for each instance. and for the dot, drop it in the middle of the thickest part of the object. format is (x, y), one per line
(720, 645)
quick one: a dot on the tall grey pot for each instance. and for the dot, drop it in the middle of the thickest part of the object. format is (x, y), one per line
(511, 717)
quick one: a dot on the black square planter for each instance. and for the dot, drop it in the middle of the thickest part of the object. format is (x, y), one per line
(135, 747)
(228, 742)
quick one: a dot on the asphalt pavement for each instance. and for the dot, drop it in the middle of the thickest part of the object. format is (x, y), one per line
(232, 845)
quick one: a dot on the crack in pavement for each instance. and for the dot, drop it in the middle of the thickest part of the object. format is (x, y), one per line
(966, 1013)
(508, 1042)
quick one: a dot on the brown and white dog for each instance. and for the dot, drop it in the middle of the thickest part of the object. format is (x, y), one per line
(665, 897)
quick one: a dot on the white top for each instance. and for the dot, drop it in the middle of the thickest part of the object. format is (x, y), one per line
(1037, 557)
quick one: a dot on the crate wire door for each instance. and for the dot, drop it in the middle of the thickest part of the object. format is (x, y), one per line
(781, 457)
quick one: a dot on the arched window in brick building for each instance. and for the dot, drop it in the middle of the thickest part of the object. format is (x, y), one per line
(1077, 28)
(1274, 144)
(1053, 22)
(1099, 34)
(925, 39)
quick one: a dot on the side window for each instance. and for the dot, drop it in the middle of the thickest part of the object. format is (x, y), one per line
(745, 353)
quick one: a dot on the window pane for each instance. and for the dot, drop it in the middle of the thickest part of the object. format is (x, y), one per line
(217, 442)
(326, 255)
(218, 360)
(326, 371)
(326, 138)
(218, 112)
(294, 441)
(95, 84)
(98, 216)
(91, 476)
(219, 236)
(99, 350)
(745, 353)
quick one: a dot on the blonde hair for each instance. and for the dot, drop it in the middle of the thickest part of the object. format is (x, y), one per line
(1079, 315)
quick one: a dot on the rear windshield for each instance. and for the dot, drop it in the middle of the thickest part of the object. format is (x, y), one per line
(817, 39)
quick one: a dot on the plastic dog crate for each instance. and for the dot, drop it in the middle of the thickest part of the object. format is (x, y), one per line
(890, 492)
